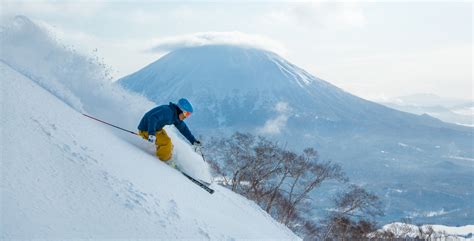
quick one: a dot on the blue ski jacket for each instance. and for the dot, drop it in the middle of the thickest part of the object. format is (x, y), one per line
(158, 117)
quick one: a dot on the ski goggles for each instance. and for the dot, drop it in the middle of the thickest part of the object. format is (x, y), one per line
(186, 114)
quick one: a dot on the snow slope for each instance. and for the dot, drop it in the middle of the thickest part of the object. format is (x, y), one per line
(65, 176)
(439, 232)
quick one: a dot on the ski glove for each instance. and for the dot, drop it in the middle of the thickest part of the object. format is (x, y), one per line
(152, 138)
(197, 143)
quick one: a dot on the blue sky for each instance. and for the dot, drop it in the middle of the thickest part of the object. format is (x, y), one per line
(372, 49)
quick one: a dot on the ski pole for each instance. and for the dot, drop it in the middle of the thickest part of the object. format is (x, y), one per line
(198, 149)
(111, 124)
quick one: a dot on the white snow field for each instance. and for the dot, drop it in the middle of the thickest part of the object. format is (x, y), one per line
(439, 232)
(64, 176)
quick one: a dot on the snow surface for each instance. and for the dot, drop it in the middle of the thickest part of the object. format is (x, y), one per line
(65, 176)
(442, 232)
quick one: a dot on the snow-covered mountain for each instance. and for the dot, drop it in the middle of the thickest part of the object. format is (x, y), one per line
(409, 159)
(64, 176)
(429, 232)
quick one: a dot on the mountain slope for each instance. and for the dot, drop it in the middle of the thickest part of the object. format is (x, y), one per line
(256, 79)
(65, 176)
(235, 88)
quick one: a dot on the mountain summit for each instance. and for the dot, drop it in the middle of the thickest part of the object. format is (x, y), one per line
(224, 78)
(244, 75)
(405, 157)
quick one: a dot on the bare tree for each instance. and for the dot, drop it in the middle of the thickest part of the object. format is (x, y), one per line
(265, 172)
(284, 172)
(231, 157)
(358, 202)
(428, 232)
(405, 230)
(354, 210)
(306, 174)
(265, 167)
(282, 183)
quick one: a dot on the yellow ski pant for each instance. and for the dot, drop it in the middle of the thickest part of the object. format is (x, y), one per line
(164, 147)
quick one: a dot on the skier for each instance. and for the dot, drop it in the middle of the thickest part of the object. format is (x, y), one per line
(152, 123)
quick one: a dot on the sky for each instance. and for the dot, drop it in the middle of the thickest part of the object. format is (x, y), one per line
(375, 50)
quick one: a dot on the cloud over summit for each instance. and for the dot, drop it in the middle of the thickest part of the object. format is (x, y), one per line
(211, 38)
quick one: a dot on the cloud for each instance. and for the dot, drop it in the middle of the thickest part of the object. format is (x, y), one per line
(282, 107)
(276, 125)
(320, 14)
(209, 38)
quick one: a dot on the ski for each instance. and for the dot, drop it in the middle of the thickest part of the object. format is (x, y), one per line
(200, 184)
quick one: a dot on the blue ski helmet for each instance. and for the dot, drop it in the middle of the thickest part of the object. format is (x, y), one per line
(184, 105)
